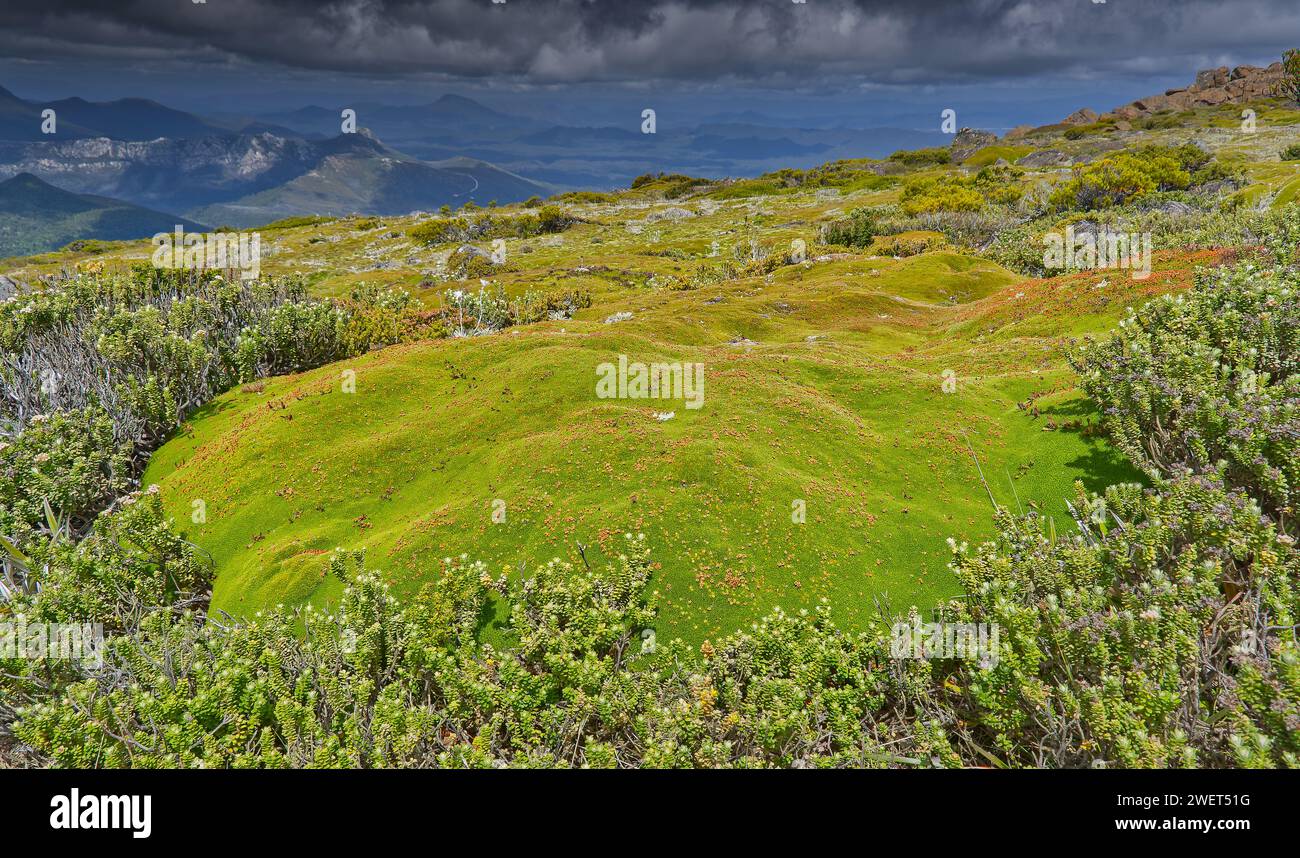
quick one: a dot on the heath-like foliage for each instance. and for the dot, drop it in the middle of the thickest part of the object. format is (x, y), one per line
(1209, 379)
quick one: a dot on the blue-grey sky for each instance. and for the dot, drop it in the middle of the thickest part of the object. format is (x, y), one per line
(825, 62)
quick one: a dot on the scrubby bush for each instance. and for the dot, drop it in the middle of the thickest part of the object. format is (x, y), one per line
(57, 475)
(149, 346)
(582, 683)
(296, 221)
(1019, 248)
(910, 245)
(943, 193)
(669, 186)
(443, 229)
(1163, 119)
(535, 306)
(1117, 179)
(486, 311)
(935, 156)
(1000, 184)
(1196, 222)
(1161, 634)
(1103, 660)
(856, 230)
(468, 262)
(1125, 176)
(847, 175)
(96, 371)
(955, 193)
(476, 227)
(130, 562)
(1289, 86)
(967, 229)
(578, 197)
(1207, 379)
(739, 189)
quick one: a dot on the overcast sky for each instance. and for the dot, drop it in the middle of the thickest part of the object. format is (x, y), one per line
(895, 60)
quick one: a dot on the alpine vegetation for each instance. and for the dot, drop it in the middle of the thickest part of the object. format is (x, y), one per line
(385, 456)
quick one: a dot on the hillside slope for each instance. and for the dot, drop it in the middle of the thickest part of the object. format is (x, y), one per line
(824, 384)
(859, 387)
(35, 216)
(261, 176)
(371, 183)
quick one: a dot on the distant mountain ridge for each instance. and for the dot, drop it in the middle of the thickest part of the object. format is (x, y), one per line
(345, 184)
(249, 178)
(124, 119)
(552, 154)
(35, 217)
(605, 156)
(450, 114)
(242, 172)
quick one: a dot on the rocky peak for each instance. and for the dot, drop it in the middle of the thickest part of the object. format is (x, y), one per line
(1082, 116)
(1211, 86)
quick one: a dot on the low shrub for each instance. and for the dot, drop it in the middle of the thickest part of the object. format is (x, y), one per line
(1158, 634)
(996, 185)
(1209, 379)
(856, 230)
(936, 156)
(1125, 176)
(909, 245)
(476, 227)
(134, 353)
(486, 311)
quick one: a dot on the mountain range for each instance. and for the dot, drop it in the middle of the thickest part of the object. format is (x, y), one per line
(604, 157)
(123, 119)
(133, 161)
(138, 155)
(250, 178)
(36, 216)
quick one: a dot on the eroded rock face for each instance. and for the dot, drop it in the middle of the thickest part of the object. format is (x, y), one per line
(1210, 78)
(969, 141)
(1082, 116)
(1212, 86)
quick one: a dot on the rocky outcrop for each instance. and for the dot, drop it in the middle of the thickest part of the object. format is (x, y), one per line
(969, 141)
(1212, 86)
(1082, 116)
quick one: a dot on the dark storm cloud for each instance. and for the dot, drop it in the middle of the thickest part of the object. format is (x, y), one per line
(890, 41)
